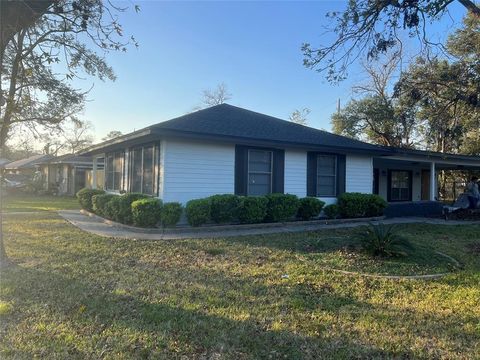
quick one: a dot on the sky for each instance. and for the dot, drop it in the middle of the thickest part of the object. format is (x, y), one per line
(253, 47)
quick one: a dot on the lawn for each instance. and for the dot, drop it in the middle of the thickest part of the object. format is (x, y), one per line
(25, 202)
(74, 295)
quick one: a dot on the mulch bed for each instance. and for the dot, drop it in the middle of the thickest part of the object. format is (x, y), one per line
(465, 214)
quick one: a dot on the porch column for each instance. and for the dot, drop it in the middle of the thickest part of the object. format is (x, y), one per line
(433, 182)
(94, 173)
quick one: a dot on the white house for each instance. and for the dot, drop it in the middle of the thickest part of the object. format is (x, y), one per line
(227, 149)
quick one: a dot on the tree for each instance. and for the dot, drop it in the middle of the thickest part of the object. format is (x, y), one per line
(445, 95)
(369, 28)
(217, 96)
(40, 61)
(300, 116)
(378, 116)
(112, 135)
(33, 47)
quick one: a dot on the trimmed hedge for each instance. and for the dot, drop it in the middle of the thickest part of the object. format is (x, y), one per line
(146, 212)
(198, 211)
(223, 208)
(281, 207)
(110, 210)
(99, 203)
(309, 207)
(332, 211)
(123, 213)
(85, 195)
(252, 209)
(354, 205)
(171, 213)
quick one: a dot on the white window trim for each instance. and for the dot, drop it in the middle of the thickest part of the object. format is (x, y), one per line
(142, 149)
(259, 172)
(335, 171)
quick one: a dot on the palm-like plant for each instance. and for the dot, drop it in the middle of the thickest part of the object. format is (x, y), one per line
(384, 240)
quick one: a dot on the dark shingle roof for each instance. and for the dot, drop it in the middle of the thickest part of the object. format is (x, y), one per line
(230, 121)
(28, 162)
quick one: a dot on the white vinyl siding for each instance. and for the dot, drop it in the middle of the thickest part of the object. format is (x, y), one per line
(359, 174)
(193, 170)
(296, 173)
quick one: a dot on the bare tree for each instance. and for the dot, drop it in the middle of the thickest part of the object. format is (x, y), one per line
(300, 116)
(217, 96)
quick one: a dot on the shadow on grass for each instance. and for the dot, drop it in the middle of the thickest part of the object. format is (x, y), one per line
(134, 327)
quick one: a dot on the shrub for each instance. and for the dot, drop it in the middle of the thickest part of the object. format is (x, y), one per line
(146, 212)
(354, 205)
(198, 211)
(99, 202)
(331, 211)
(376, 205)
(383, 240)
(309, 207)
(252, 209)
(124, 211)
(110, 210)
(223, 208)
(281, 207)
(85, 195)
(171, 213)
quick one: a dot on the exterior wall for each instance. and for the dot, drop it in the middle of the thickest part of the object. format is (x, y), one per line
(193, 170)
(359, 174)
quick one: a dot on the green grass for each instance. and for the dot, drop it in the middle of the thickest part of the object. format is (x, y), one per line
(29, 203)
(74, 295)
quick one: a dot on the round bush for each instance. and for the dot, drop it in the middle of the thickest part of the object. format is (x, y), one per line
(124, 210)
(223, 208)
(111, 208)
(146, 212)
(198, 211)
(332, 211)
(281, 207)
(99, 202)
(85, 195)
(171, 213)
(309, 207)
(252, 209)
(354, 205)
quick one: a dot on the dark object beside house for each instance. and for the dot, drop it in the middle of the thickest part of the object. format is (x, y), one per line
(417, 208)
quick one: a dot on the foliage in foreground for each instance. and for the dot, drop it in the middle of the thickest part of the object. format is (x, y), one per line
(384, 240)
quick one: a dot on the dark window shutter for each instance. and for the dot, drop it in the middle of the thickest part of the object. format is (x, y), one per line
(241, 169)
(278, 179)
(311, 174)
(341, 174)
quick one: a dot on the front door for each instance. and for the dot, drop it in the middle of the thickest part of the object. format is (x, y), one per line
(425, 184)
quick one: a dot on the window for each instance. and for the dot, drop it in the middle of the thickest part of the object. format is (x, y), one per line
(400, 185)
(259, 172)
(142, 169)
(326, 175)
(114, 171)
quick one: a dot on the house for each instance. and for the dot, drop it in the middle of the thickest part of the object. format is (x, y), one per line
(227, 149)
(66, 174)
(23, 170)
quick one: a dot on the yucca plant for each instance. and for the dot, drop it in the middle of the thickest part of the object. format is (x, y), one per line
(384, 240)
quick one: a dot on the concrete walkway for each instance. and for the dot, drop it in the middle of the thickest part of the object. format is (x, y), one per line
(98, 226)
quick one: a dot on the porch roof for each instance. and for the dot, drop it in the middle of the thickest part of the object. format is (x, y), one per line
(443, 161)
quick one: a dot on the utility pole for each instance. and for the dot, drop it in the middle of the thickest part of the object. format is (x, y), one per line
(338, 106)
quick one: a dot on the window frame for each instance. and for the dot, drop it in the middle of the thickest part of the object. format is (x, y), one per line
(259, 172)
(335, 176)
(390, 183)
(142, 171)
(121, 156)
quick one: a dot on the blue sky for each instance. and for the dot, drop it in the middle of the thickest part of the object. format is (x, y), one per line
(254, 47)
